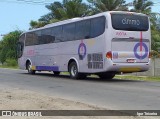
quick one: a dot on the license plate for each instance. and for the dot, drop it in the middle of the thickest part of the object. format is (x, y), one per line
(131, 60)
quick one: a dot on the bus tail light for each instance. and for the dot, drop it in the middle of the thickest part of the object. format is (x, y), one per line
(150, 55)
(109, 55)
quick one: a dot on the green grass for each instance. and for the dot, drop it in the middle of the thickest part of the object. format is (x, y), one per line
(130, 77)
(12, 67)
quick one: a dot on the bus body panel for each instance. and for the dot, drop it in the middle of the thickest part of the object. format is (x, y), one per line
(90, 54)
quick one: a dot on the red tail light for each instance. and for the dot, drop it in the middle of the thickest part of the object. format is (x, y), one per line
(150, 55)
(109, 55)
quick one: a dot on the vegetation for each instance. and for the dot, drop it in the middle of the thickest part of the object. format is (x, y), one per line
(107, 5)
(131, 77)
(8, 44)
(77, 8)
(62, 10)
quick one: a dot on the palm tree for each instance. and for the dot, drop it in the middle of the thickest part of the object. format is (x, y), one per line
(142, 6)
(65, 10)
(108, 5)
(61, 11)
(36, 24)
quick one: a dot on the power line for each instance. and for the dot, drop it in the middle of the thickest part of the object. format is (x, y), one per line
(33, 2)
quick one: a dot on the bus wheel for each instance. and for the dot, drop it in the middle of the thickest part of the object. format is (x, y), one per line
(56, 73)
(29, 68)
(106, 75)
(73, 71)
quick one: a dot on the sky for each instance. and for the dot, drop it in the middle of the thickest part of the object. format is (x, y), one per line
(16, 15)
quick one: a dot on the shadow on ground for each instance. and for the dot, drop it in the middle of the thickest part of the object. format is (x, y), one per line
(89, 78)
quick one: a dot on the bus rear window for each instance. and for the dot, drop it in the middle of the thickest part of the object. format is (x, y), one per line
(129, 22)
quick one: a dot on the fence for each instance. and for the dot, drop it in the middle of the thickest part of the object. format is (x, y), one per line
(154, 69)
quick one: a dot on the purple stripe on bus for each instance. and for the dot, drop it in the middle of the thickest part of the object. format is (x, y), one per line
(47, 68)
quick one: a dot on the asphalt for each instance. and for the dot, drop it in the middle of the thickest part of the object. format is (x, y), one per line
(115, 94)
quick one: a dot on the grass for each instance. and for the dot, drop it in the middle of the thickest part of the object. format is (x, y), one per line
(128, 77)
(147, 78)
(5, 66)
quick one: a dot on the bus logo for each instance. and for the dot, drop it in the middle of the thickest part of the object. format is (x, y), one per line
(82, 51)
(137, 53)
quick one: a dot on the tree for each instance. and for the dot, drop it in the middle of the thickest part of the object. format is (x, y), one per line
(61, 11)
(8, 46)
(142, 6)
(108, 5)
(66, 10)
(37, 24)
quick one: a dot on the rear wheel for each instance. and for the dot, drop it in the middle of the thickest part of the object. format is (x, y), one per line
(106, 75)
(73, 71)
(29, 68)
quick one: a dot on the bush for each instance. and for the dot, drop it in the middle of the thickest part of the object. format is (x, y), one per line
(11, 62)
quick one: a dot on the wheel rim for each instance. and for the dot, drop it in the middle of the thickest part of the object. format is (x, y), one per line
(73, 70)
(29, 68)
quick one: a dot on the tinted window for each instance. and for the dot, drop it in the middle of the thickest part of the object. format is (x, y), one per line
(22, 38)
(130, 22)
(38, 37)
(90, 28)
(57, 33)
(97, 26)
(69, 32)
(79, 30)
(31, 39)
(83, 30)
(20, 46)
(46, 37)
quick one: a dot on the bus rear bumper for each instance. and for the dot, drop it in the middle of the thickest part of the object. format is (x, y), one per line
(128, 67)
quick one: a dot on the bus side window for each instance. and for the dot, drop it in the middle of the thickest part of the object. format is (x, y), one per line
(56, 33)
(87, 29)
(79, 30)
(97, 26)
(69, 32)
(29, 39)
(22, 38)
(38, 37)
(82, 30)
(47, 36)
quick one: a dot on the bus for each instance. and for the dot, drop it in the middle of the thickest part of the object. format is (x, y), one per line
(104, 44)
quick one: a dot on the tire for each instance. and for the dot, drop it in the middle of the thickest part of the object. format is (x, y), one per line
(106, 75)
(56, 73)
(73, 71)
(29, 68)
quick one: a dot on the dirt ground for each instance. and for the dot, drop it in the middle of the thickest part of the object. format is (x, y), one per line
(16, 99)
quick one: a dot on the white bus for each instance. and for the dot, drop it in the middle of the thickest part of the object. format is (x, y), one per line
(104, 44)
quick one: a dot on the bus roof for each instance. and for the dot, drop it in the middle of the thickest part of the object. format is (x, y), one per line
(81, 18)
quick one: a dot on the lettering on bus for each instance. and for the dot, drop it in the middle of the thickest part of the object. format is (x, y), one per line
(130, 21)
(30, 52)
(121, 33)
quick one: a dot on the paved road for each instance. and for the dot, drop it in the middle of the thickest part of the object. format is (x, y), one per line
(115, 94)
